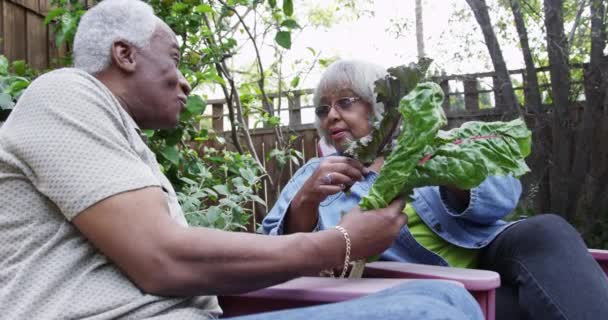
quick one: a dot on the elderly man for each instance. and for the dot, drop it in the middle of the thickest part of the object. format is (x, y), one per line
(90, 227)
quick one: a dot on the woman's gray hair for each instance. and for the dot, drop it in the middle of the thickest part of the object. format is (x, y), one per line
(132, 21)
(359, 77)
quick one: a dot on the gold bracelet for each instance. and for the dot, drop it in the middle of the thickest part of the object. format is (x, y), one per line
(347, 255)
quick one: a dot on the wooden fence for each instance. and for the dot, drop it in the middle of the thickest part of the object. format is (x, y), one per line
(25, 36)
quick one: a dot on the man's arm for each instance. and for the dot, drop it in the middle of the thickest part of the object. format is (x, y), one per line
(134, 230)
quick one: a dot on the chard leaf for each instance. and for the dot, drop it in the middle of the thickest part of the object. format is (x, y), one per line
(463, 157)
(397, 83)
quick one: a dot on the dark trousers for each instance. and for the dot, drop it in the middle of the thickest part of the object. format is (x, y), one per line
(546, 272)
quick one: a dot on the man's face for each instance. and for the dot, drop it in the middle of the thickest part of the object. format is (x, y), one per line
(160, 88)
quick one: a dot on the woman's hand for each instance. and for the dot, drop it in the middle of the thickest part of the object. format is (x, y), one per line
(333, 175)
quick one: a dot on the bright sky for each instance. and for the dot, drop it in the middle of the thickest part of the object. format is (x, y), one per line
(370, 37)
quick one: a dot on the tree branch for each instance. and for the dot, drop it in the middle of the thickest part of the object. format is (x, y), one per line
(577, 20)
(261, 81)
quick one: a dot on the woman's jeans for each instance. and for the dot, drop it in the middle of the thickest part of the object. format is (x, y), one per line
(546, 272)
(421, 299)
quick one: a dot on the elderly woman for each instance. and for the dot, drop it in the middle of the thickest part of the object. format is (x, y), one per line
(536, 257)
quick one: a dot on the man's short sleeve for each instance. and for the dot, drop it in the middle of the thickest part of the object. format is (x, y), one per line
(70, 138)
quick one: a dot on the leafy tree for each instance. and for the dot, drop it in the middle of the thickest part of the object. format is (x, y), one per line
(215, 186)
(503, 81)
(210, 34)
(572, 143)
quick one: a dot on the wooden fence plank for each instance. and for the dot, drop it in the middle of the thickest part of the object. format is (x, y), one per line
(471, 97)
(29, 4)
(217, 114)
(37, 38)
(260, 210)
(271, 168)
(498, 96)
(445, 87)
(310, 145)
(44, 6)
(295, 117)
(271, 112)
(2, 27)
(34, 5)
(15, 44)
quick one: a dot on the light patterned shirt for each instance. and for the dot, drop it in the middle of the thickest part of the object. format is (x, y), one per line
(67, 145)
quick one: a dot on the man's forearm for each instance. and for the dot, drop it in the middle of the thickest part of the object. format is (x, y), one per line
(135, 231)
(206, 261)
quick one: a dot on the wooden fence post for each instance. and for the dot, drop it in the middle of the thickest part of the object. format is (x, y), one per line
(217, 117)
(471, 96)
(498, 95)
(295, 117)
(272, 112)
(445, 86)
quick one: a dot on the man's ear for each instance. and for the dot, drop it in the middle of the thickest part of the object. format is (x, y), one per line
(123, 56)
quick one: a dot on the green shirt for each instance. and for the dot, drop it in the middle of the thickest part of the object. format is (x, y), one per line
(454, 255)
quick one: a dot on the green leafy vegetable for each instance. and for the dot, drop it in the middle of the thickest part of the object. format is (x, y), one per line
(397, 83)
(462, 157)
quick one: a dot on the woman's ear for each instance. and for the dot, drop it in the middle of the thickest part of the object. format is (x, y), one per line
(123, 56)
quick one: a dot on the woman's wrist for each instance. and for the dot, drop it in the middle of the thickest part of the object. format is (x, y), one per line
(304, 200)
(302, 215)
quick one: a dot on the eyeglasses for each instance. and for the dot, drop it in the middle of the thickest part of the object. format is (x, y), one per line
(343, 104)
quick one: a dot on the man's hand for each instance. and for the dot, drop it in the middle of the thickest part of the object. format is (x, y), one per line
(372, 232)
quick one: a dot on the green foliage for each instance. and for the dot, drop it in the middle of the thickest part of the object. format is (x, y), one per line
(15, 77)
(219, 190)
(284, 156)
(462, 157)
(288, 7)
(326, 13)
(525, 207)
(598, 237)
(65, 18)
(283, 38)
(216, 188)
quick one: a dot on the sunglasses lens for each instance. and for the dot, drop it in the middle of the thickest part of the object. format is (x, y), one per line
(344, 103)
(322, 111)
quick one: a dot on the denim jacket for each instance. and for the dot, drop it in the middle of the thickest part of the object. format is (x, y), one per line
(473, 228)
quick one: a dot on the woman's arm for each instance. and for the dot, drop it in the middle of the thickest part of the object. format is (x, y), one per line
(492, 200)
(275, 221)
(302, 214)
(298, 207)
(457, 199)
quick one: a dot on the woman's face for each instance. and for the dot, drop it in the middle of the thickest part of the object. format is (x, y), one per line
(344, 116)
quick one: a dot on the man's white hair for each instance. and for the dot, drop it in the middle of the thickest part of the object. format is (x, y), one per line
(359, 77)
(132, 21)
